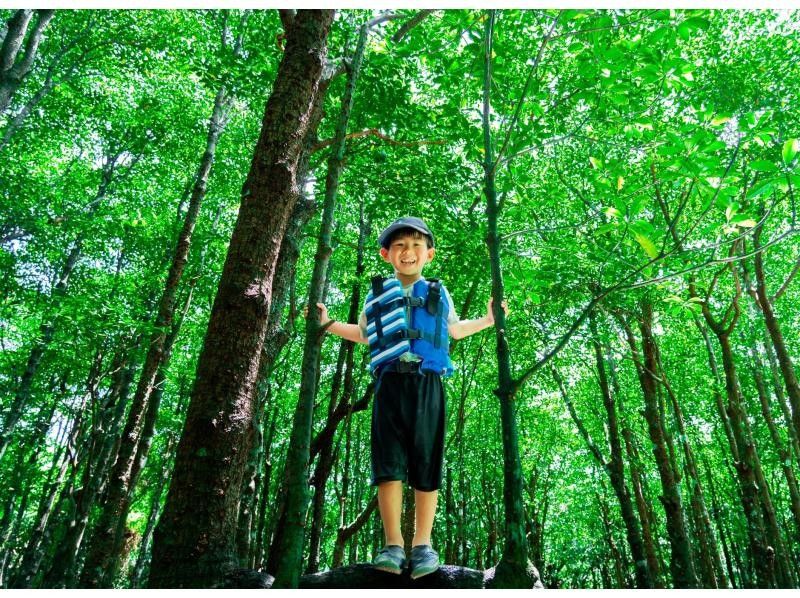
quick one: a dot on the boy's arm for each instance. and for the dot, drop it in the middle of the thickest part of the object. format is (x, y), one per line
(350, 332)
(464, 328)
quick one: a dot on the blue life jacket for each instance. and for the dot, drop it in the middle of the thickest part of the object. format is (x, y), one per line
(390, 335)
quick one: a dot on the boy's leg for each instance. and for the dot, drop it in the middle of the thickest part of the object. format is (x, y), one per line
(424, 511)
(390, 504)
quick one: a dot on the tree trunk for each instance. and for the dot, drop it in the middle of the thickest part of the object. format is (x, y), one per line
(745, 469)
(709, 553)
(636, 481)
(717, 514)
(14, 68)
(346, 532)
(194, 543)
(771, 321)
(681, 565)
(514, 569)
(616, 471)
(781, 449)
(137, 575)
(777, 386)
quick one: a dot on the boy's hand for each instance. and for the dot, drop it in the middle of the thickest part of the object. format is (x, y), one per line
(490, 311)
(323, 314)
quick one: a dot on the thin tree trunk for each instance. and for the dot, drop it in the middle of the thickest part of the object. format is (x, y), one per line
(745, 469)
(104, 551)
(13, 67)
(615, 468)
(771, 321)
(783, 451)
(709, 553)
(514, 569)
(717, 514)
(777, 385)
(681, 564)
(137, 575)
(636, 481)
(287, 574)
(194, 542)
(345, 533)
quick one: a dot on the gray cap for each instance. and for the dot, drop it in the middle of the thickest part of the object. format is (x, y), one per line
(405, 222)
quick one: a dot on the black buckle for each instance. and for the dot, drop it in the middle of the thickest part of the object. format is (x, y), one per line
(403, 367)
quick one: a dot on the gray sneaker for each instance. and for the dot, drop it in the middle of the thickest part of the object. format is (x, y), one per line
(391, 559)
(424, 560)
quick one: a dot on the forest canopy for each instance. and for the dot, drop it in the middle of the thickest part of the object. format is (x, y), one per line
(626, 180)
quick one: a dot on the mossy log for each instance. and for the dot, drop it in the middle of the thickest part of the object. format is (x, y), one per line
(363, 575)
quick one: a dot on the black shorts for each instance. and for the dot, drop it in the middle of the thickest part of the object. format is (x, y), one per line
(408, 417)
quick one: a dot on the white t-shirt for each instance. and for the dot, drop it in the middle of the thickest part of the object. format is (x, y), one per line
(452, 318)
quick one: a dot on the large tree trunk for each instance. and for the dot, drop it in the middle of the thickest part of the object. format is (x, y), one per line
(194, 543)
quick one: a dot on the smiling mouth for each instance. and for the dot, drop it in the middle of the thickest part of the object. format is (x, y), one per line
(411, 263)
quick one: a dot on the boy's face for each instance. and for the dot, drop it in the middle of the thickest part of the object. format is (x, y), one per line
(408, 255)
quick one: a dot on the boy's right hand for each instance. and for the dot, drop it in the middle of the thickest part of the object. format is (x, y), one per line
(323, 314)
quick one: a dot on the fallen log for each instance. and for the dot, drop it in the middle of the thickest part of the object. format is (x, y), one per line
(363, 575)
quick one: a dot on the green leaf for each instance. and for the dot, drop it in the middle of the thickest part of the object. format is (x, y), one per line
(790, 149)
(595, 162)
(763, 166)
(761, 188)
(692, 25)
(648, 246)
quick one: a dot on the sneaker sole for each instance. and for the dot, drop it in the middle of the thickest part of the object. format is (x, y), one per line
(423, 573)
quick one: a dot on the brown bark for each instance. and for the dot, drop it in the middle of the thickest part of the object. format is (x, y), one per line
(298, 455)
(194, 541)
(681, 563)
(775, 333)
(784, 454)
(743, 451)
(711, 566)
(642, 506)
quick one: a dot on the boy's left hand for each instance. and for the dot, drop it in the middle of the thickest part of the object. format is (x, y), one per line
(490, 311)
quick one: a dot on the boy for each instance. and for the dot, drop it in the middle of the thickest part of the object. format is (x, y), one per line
(406, 322)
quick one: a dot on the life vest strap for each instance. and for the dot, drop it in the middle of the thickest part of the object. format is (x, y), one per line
(377, 290)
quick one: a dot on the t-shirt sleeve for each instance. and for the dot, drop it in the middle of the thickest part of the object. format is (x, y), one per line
(362, 324)
(452, 316)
